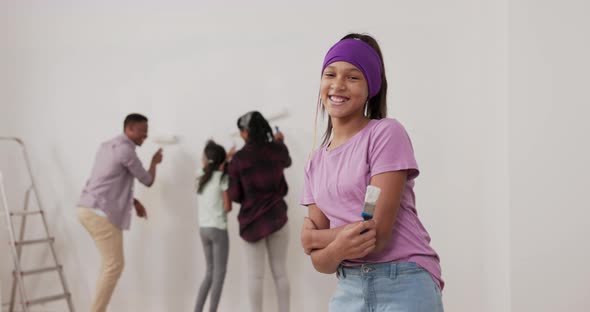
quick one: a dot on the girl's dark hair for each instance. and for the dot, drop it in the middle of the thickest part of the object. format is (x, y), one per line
(377, 107)
(259, 130)
(215, 155)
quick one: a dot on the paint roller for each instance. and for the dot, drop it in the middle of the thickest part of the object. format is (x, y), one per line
(165, 139)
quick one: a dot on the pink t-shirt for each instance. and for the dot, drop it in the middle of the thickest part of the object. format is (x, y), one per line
(336, 182)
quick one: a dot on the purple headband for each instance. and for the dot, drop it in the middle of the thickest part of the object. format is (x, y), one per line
(361, 55)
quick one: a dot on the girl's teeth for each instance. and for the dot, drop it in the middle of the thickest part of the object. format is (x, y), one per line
(337, 99)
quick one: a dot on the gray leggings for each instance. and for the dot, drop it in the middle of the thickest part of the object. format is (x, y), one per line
(276, 246)
(216, 247)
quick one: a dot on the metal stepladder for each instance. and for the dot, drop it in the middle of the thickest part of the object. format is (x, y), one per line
(16, 243)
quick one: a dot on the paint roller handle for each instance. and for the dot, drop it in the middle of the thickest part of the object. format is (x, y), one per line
(279, 135)
(157, 158)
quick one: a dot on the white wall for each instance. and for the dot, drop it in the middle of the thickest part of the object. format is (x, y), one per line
(74, 70)
(549, 44)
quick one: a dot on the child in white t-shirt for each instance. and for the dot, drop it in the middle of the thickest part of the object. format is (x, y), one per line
(214, 204)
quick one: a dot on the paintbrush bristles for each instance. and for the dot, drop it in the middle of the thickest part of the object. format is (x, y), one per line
(372, 194)
(371, 197)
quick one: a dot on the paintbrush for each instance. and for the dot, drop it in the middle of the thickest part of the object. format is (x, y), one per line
(371, 197)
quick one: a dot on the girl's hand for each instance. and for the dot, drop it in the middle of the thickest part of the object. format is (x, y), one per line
(230, 153)
(351, 244)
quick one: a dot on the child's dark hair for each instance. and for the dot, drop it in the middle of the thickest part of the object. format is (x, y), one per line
(259, 131)
(215, 155)
(377, 107)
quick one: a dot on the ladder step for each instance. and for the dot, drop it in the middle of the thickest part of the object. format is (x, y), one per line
(42, 270)
(47, 299)
(24, 212)
(35, 241)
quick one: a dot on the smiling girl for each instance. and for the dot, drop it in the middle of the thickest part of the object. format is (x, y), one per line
(390, 266)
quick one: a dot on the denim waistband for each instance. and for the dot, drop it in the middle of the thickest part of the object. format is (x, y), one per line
(391, 269)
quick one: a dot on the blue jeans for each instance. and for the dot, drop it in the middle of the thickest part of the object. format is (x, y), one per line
(386, 287)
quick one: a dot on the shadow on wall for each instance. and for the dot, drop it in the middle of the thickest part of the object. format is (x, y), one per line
(172, 230)
(66, 227)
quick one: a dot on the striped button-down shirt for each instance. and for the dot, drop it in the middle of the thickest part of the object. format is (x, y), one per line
(110, 186)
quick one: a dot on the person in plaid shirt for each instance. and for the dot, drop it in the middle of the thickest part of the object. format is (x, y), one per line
(256, 181)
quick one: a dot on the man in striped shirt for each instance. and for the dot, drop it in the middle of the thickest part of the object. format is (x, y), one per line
(106, 202)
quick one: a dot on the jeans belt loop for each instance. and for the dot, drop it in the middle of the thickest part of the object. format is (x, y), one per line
(393, 271)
